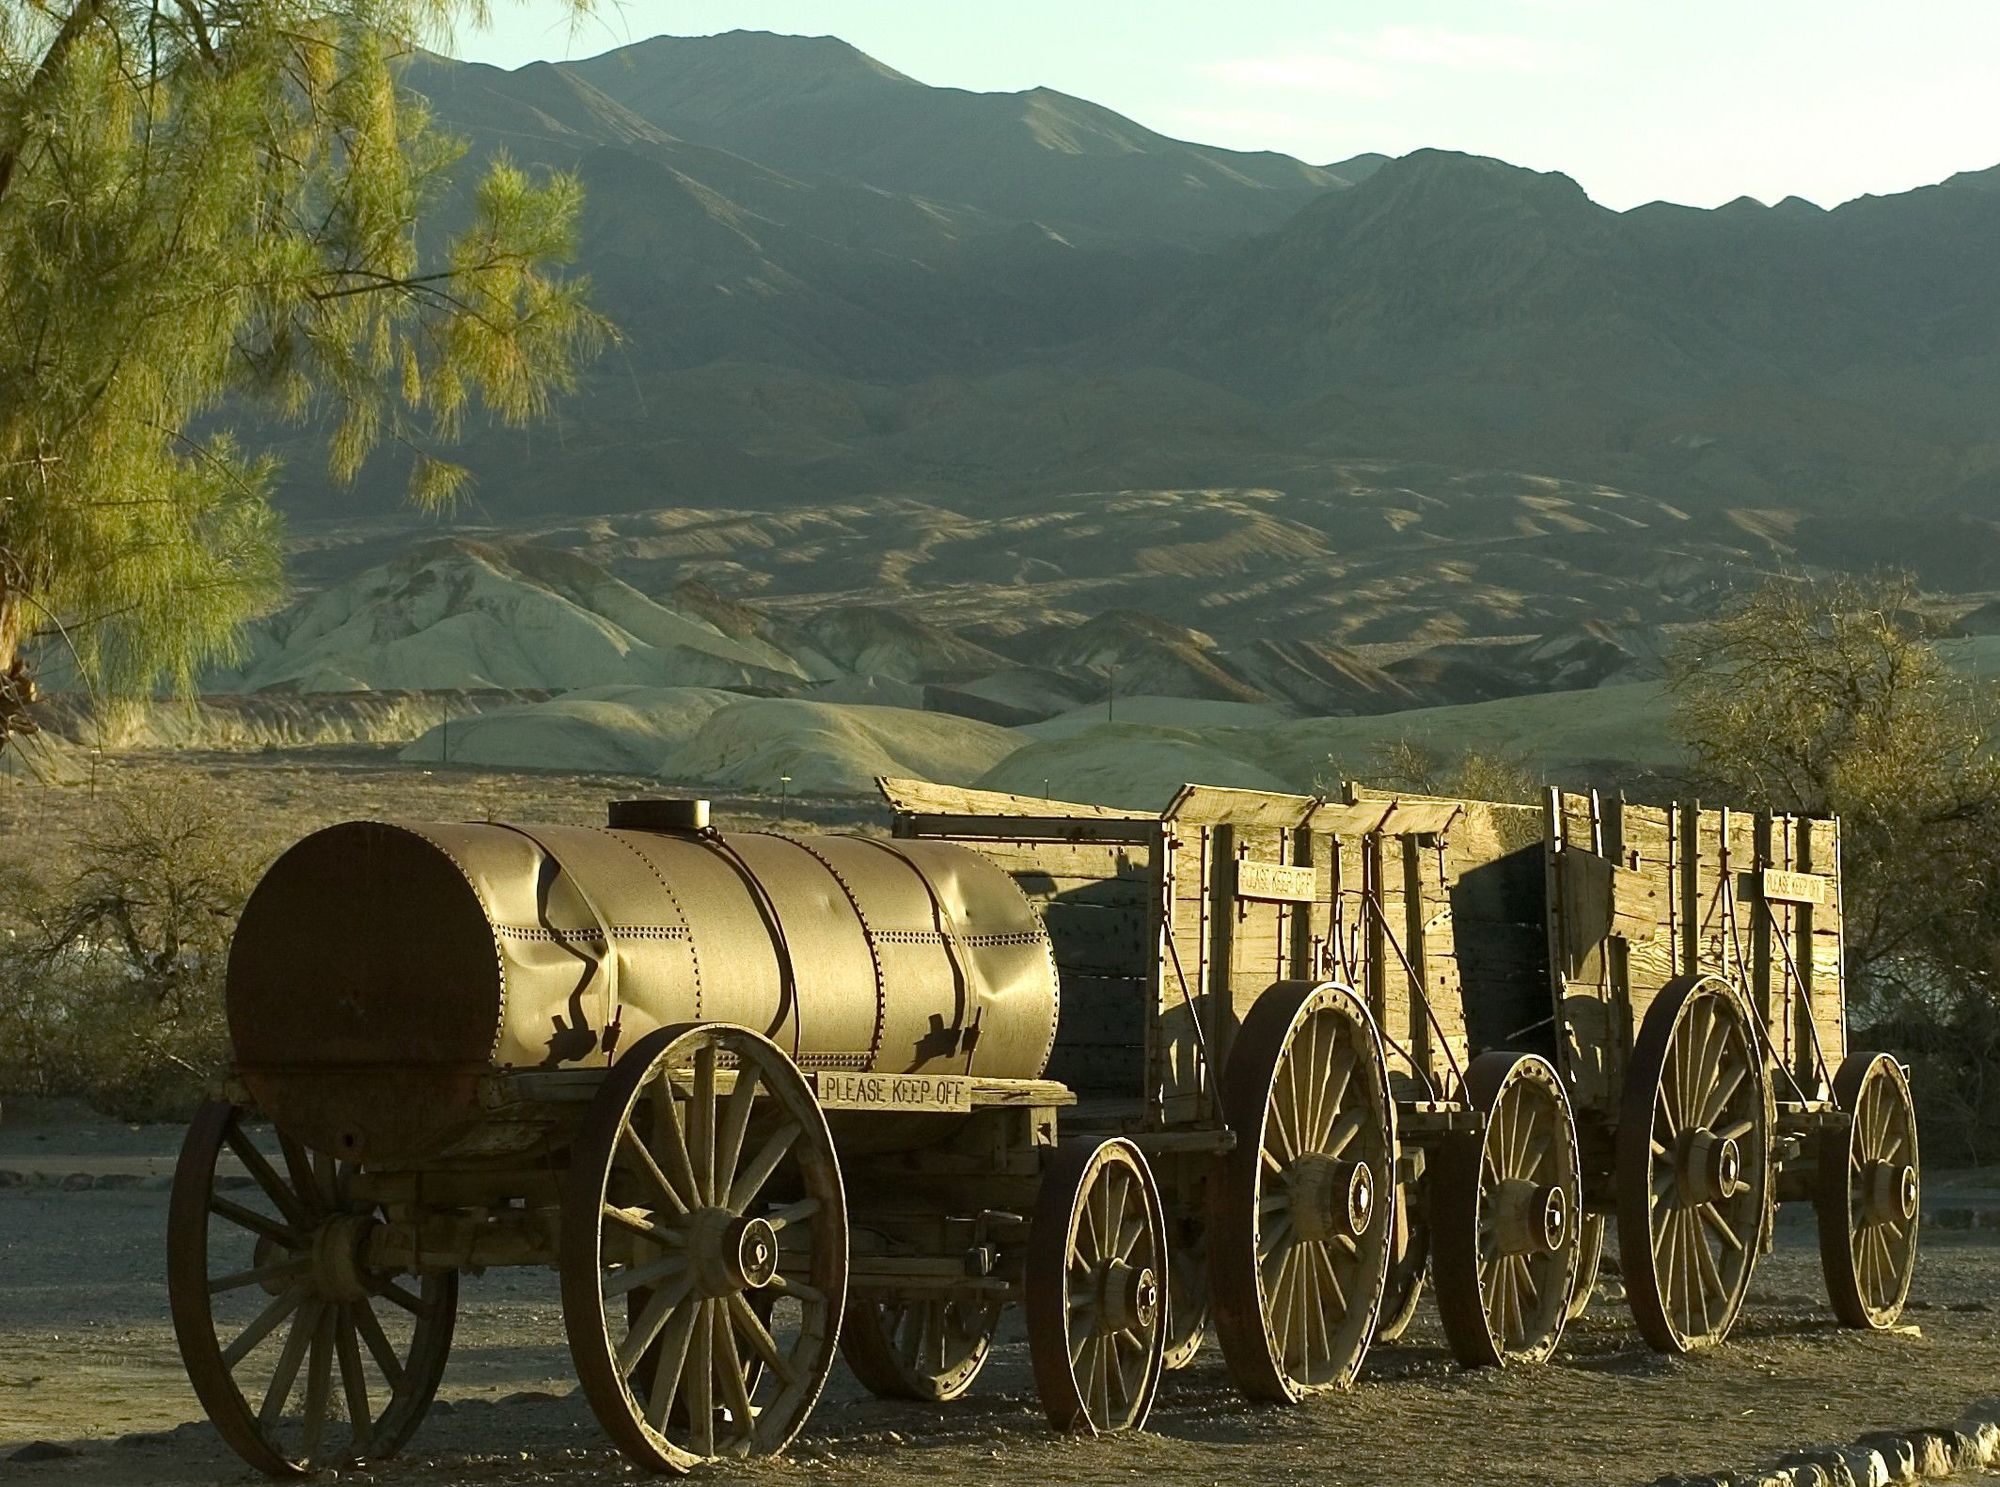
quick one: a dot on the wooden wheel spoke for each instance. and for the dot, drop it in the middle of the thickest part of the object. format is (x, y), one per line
(670, 1142)
(304, 1182)
(319, 1384)
(653, 1318)
(701, 1124)
(388, 1290)
(746, 1321)
(1340, 1079)
(750, 1181)
(735, 1123)
(256, 1223)
(637, 1156)
(1711, 1214)
(353, 1380)
(1350, 1125)
(370, 1327)
(643, 1224)
(296, 1212)
(305, 1326)
(701, 1387)
(671, 1363)
(259, 1275)
(263, 1325)
(735, 1387)
(1728, 1081)
(630, 1278)
(799, 1289)
(781, 1219)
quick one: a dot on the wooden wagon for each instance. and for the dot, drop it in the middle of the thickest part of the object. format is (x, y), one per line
(1539, 1018)
(1254, 1065)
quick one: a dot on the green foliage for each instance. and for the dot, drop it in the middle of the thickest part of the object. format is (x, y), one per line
(113, 966)
(1830, 697)
(208, 206)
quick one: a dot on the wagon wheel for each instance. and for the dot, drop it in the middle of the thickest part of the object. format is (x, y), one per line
(928, 1350)
(717, 1191)
(278, 1305)
(1298, 1237)
(1693, 1165)
(1867, 1193)
(1590, 1261)
(1187, 1292)
(1507, 1198)
(1403, 1292)
(1095, 1302)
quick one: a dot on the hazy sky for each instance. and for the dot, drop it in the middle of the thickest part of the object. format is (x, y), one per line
(1697, 101)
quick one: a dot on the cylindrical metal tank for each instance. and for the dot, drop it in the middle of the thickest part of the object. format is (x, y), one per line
(381, 970)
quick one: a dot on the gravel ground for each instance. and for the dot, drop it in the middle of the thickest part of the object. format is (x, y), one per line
(87, 1359)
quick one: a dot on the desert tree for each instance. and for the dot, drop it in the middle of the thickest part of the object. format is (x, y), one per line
(214, 211)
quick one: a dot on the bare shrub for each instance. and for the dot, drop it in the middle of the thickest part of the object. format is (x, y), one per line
(1831, 697)
(111, 966)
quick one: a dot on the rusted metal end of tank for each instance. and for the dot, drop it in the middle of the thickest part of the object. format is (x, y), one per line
(354, 1026)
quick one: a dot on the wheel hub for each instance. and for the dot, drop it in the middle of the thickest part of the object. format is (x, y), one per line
(1331, 1197)
(1707, 1168)
(1531, 1218)
(1129, 1296)
(727, 1253)
(1891, 1193)
(337, 1248)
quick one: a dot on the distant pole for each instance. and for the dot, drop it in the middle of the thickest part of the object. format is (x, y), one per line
(1045, 787)
(784, 798)
(444, 742)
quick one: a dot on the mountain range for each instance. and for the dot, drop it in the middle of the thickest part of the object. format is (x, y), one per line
(835, 280)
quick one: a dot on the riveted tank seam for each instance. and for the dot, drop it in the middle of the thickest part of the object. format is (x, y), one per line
(774, 926)
(694, 950)
(1055, 972)
(948, 936)
(486, 909)
(868, 937)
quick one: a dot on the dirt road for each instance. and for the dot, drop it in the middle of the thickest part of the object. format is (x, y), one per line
(87, 1359)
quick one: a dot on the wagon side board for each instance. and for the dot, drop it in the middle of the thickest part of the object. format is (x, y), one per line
(1641, 895)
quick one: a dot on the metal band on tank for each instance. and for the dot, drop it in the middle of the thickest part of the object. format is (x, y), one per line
(694, 945)
(788, 980)
(608, 962)
(868, 936)
(947, 936)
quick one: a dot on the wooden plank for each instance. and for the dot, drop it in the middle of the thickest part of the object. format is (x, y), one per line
(1419, 817)
(1103, 1011)
(1068, 860)
(921, 797)
(1345, 819)
(1216, 805)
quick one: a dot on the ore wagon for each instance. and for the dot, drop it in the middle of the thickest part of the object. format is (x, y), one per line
(1252, 1066)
